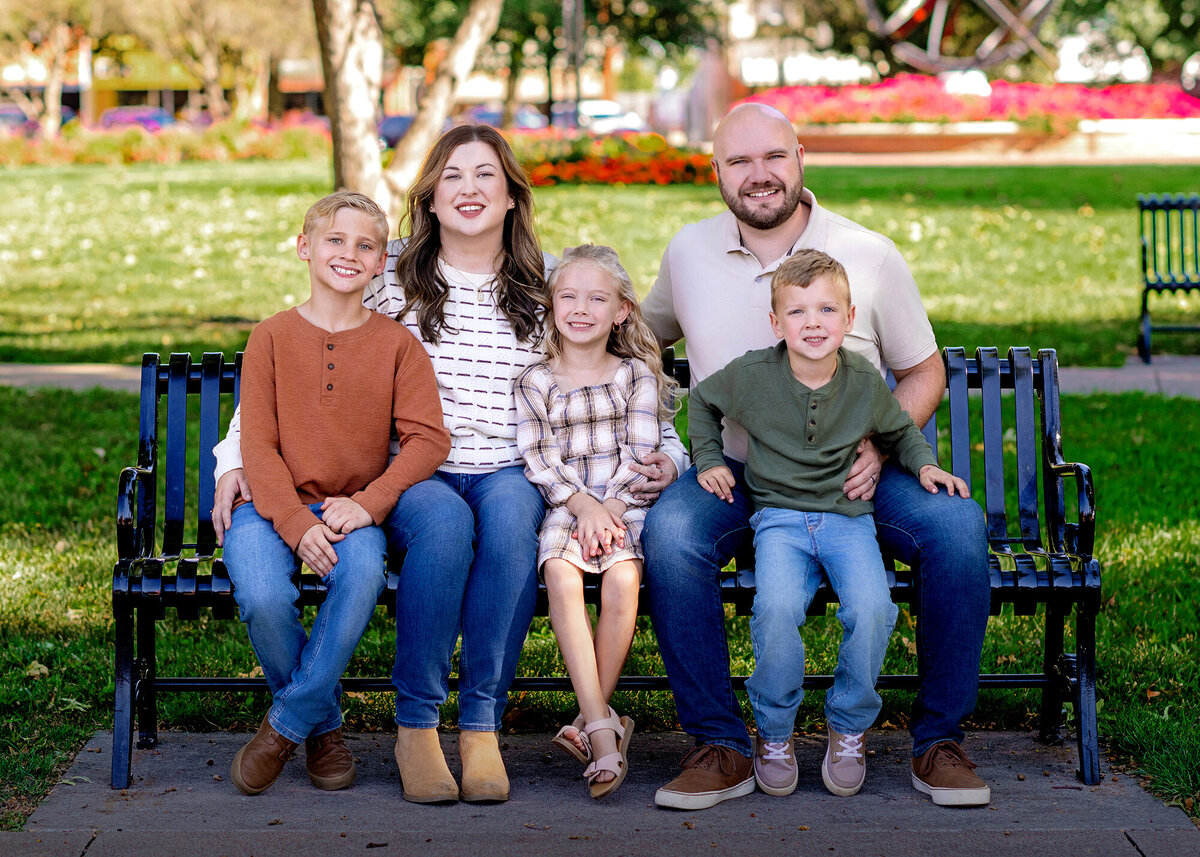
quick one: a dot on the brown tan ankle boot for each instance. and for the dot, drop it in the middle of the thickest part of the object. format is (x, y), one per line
(424, 775)
(484, 779)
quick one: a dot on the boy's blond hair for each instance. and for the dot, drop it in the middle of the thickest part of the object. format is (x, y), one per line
(805, 267)
(320, 214)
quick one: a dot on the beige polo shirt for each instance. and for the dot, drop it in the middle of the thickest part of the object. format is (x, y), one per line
(715, 293)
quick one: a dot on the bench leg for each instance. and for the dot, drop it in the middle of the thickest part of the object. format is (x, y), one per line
(122, 748)
(144, 697)
(1085, 702)
(1052, 693)
(1143, 343)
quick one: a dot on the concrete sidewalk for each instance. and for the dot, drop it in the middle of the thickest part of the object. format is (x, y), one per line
(183, 803)
(1170, 375)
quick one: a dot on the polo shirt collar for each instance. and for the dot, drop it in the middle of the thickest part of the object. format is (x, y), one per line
(808, 238)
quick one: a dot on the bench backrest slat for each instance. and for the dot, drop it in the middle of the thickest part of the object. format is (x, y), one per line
(211, 365)
(993, 446)
(1025, 428)
(960, 415)
(1053, 495)
(177, 481)
(147, 496)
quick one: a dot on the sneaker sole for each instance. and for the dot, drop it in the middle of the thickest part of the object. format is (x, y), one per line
(834, 788)
(779, 791)
(954, 797)
(702, 800)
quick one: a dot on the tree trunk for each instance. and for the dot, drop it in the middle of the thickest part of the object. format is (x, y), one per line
(352, 60)
(50, 120)
(478, 25)
(516, 64)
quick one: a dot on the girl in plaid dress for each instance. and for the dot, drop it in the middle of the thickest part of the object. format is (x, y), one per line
(586, 414)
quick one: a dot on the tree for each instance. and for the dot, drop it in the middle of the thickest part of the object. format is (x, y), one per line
(214, 39)
(39, 36)
(1167, 30)
(351, 39)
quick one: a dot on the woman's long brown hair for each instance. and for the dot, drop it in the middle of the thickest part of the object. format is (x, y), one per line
(520, 274)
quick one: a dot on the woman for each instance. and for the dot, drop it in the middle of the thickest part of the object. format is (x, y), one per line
(469, 282)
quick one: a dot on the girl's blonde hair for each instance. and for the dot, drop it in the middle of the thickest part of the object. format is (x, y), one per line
(632, 337)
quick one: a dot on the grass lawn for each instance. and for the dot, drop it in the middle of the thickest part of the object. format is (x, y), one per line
(103, 263)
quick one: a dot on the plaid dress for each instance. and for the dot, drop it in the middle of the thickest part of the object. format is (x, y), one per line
(585, 440)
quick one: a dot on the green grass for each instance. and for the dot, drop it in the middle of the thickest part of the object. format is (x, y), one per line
(101, 264)
(105, 263)
(56, 630)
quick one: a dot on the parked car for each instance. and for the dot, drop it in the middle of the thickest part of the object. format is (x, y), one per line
(392, 128)
(150, 118)
(599, 116)
(527, 118)
(14, 121)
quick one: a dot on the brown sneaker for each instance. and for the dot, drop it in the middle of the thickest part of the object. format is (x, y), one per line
(945, 774)
(710, 775)
(258, 764)
(328, 761)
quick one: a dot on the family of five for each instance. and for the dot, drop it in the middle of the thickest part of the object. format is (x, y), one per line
(517, 425)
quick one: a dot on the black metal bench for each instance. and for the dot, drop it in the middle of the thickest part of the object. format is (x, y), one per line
(1008, 407)
(1170, 226)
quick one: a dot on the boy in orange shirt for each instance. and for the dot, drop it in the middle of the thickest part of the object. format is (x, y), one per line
(326, 388)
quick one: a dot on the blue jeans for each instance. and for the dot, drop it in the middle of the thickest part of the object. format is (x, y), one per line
(302, 670)
(470, 567)
(690, 535)
(790, 550)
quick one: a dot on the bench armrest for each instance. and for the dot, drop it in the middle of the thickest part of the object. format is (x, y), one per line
(1078, 537)
(135, 532)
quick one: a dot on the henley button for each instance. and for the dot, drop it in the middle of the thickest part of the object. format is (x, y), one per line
(812, 422)
(328, 386)
(812, 439)
(330, 365)
(330, 347)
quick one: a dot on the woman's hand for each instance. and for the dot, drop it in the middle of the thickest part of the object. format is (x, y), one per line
(230, 486)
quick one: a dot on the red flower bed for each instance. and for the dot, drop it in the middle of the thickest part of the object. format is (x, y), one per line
(920, 98)
(551, 158)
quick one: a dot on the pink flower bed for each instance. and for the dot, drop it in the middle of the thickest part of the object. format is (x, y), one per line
(920, 98)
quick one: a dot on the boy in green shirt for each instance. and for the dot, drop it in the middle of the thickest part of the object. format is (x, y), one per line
(806, 405)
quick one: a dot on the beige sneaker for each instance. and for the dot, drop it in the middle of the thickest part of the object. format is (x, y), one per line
(775, 767)
(945, 774)
(845, 766)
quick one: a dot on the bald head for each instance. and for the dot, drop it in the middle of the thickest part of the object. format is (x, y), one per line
(750, 120)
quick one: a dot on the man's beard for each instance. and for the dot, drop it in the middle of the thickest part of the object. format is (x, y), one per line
(760, 219)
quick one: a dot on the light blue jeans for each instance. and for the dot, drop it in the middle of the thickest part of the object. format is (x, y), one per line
(691, 534)
(791, 548)
(470, 568)
(302, 670)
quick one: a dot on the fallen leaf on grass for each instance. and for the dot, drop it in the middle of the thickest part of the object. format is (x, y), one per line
(36, 670)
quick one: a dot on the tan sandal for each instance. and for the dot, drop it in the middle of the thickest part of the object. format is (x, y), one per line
(615, 763)
(562, 739)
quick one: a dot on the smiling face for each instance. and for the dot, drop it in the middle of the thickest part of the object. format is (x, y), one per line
(587, 303)
(759, 166)
(471, 198)
(812, 320)
(344, 253)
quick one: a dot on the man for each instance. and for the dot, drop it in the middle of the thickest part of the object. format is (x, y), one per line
(713, 288)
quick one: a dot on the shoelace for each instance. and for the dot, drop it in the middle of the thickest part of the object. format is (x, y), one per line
(707, 756)
(851, 746)
(950, 755)
(775, 750)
